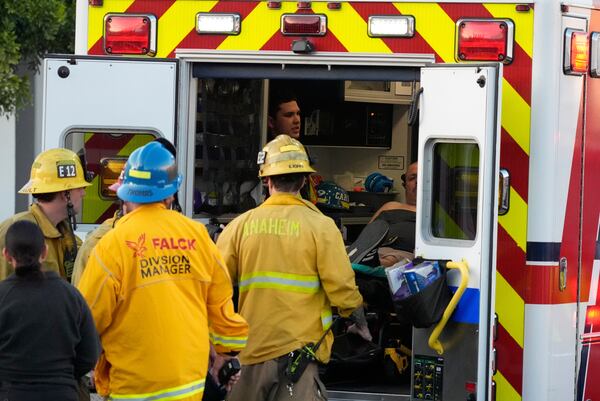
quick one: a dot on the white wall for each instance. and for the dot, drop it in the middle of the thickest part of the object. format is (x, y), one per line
(360, 162)
(7, 156)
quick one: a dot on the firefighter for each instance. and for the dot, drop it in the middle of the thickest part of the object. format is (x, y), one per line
(153, 283)
(57, 184)
(284, 115)
(291, 267)
(94, 236)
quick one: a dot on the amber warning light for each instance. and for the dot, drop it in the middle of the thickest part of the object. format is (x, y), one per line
(130, 34)
(485, 40)
(577, 52)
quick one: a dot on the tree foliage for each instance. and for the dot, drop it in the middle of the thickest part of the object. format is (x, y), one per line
(28, 30)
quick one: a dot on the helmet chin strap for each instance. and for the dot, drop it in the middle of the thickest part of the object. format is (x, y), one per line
(71, 215)
(70, 254)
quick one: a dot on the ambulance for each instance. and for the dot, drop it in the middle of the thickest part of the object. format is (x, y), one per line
(498, 101)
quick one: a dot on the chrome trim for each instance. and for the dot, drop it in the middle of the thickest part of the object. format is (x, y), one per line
(504, 188)
(320, 58)
(594, 56)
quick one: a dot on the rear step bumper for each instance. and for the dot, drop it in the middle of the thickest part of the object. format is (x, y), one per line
(355, 396)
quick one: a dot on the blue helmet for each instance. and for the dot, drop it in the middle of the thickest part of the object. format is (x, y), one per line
(150, 175)
(332, 196)
(377, 182)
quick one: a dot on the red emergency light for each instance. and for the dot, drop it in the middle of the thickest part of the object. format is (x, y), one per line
(485, 40)
(130, 34)
(304, 24)
(593, 315)
(577, 52)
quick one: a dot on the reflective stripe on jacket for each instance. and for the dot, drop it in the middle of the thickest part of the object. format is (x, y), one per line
(154, 283)
(291, 266)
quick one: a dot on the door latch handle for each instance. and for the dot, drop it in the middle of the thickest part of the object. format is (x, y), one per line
(562, 274)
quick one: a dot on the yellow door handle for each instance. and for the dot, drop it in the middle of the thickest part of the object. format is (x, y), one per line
(434, 342)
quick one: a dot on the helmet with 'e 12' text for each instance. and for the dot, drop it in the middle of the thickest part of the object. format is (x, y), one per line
(55, 170)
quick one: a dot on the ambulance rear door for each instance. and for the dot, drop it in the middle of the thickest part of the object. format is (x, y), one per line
(104, 108)
(459, 136)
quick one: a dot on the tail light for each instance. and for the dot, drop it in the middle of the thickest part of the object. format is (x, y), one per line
(304, 24)
(577, 52)
(485, 40)
(130, 34)
(593, 315)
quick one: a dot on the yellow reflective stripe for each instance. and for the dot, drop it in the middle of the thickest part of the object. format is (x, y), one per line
(308, 284)
(180, 19)
(523, 23)
(504, 391)
(135, 142)
(511, 309)
(351, 30)
(258, 27)
(93, 207)
(516, 115)
(144, 175)
(326, 319)
(515, 221)
(451, 229)
(434, 25)
(173, 393)
(228, 341)
(96, 18)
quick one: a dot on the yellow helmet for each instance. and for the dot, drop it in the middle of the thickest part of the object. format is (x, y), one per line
(283, 155)
(55, 170)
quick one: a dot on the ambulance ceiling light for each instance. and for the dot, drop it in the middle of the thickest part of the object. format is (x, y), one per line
(303, 24)
(130, 34)
(400, 26)
(218, 23)
(577, 52)
(485, 40)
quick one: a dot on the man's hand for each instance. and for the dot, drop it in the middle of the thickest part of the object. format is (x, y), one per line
(360, 325)
(362, 331)
(218, 361)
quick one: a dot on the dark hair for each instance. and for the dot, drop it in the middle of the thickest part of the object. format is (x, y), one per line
(171, 148)
(25, 243)
(288, 182)
(47, 197)
(277, 98)
(167, 144)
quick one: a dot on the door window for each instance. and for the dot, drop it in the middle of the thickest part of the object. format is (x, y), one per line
(105, 154)
(455, 179)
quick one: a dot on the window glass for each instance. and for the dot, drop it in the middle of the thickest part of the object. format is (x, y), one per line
(105, 154)
(455, 179)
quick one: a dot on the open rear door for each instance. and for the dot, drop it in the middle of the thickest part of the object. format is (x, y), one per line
(104, 108)
(456, 221)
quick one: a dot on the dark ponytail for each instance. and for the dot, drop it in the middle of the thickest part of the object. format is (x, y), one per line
(25, 243)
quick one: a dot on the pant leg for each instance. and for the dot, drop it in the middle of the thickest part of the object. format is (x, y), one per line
(308, 388)
(257, 382)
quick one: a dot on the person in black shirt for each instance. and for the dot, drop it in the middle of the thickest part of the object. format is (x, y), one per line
(45, 347)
